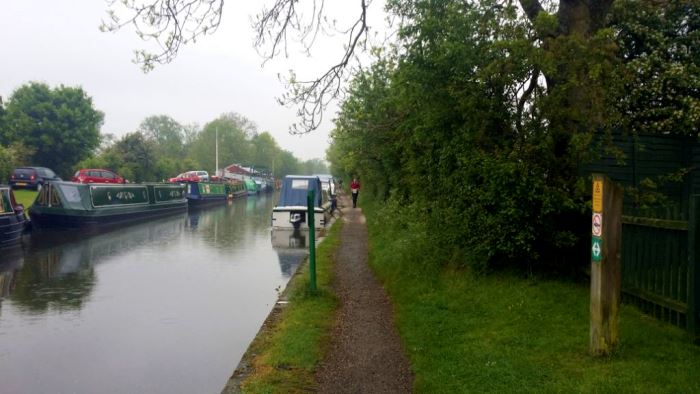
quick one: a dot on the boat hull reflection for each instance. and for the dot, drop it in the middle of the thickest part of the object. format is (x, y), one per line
(292, 248)
(292, 239)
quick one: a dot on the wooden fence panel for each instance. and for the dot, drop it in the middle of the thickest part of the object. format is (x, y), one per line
(660, 270)
(655, 268)
(692, 284)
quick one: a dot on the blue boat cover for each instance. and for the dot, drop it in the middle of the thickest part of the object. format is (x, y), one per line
(295, 189)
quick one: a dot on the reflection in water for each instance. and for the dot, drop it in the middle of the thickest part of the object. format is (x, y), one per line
(290, 259)
(60, 274)
(291, 248)
(164, 306)
(289, 238)
(10, 263)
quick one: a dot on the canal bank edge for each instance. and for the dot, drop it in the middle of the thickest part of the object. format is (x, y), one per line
(275, 317)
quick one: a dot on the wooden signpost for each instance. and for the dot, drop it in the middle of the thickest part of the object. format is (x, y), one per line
(606, 241)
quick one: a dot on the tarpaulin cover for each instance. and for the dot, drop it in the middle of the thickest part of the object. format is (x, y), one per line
(295, 189)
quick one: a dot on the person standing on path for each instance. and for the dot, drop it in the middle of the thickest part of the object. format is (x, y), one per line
(355, 189)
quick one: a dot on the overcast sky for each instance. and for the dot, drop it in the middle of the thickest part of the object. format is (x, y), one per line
(59, 42)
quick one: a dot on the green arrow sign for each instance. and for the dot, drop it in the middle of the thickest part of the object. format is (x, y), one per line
(596, 249)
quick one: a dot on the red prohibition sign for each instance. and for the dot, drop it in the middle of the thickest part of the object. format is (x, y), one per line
(597, 228)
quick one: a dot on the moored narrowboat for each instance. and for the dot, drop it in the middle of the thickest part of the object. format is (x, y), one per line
(75, 205)
(291, 209)
(205, 193)
(268, 185)
(12, 218)
(236, 189)
(251, 186)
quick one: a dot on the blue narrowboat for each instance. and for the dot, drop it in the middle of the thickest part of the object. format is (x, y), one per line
(205, 193)
(12, 218)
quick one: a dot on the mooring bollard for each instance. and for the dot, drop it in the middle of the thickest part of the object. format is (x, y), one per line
(311, 221)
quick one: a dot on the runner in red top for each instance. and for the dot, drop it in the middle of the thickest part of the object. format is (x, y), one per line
(355, 188)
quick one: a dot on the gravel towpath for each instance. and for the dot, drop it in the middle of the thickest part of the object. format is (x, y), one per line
(366, 355)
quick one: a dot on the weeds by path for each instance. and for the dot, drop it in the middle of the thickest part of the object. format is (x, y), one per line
(504, 333)
(287, 353)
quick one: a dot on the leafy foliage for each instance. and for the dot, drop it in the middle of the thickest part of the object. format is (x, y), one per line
(479, 122)
(659, 48)
(162, 148)
(58, 128)
(509, 333)
(60, 125)
(11, 157)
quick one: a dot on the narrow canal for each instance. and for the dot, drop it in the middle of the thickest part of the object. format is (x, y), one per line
(167, 306)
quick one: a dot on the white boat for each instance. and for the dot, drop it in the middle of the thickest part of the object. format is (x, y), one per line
(327, 183)
(291, 209)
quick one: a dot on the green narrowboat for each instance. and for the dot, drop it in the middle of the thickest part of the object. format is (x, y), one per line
(76, 205)
(236, 190)
(251, 186)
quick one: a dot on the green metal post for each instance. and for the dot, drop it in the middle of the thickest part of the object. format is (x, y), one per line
(311, 221)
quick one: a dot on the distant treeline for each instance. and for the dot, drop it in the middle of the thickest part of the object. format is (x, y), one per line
(474, 125)
(59, 128)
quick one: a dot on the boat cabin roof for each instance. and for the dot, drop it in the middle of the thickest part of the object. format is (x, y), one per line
(301, 176)
(295, 189)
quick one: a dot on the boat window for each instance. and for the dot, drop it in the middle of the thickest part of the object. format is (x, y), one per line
(42, 199)
(5, 205)
(71, 193)
(300, 184)
(54, 198)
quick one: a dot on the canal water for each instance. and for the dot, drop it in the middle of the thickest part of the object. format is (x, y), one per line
(167, 306)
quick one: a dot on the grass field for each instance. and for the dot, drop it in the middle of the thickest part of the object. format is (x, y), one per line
(288, 353)
(507, 333)
(25, 197)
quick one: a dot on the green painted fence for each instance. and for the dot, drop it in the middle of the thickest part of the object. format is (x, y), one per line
(659, 231)
(657, 263)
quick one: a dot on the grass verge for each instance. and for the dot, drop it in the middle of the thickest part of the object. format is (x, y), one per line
(288, 352)
(507, 333)
(25, 197)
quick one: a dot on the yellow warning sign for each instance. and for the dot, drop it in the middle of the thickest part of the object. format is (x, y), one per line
(598, 196)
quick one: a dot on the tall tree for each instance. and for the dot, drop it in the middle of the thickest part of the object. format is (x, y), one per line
(286, 164)
(60, 125)
(233, 132)
(264, 151)
(167, 134)
(314, 166)
(173, 23)
(136, 156)
(659, 46)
